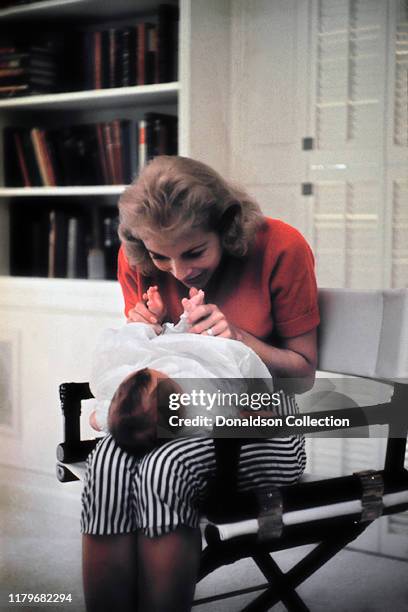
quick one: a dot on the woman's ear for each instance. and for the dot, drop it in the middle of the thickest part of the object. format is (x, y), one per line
(228, 217)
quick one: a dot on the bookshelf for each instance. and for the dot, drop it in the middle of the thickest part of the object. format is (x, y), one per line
(198, 98)
(69, 151)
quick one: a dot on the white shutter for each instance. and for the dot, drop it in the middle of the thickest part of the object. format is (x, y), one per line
(363, 235)
(330, 232)
(396, 196)
(399, 266)
(346, 165)
(349, 89)
(401, 77)
(347, 225)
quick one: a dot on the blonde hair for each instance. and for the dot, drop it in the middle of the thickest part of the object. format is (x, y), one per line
(174, 194)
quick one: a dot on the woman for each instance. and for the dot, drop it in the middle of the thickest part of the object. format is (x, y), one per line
(184, 228)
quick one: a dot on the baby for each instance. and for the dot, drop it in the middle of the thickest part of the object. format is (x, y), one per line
(136, 371)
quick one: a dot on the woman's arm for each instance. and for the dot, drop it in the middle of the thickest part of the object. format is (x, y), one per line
(295, 360)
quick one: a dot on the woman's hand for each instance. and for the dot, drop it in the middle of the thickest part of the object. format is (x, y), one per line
(207, 319)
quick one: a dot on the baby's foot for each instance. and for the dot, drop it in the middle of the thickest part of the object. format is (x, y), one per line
(190, 303)
(155, 302)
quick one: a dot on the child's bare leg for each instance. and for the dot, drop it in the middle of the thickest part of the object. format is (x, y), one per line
(110, 572)
(168, 570)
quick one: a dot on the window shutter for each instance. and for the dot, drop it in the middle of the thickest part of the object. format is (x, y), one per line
(399, 277)
(401, 77)
(349, 73)
(346, 228)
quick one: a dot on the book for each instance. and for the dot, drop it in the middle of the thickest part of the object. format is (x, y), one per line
(30, 158)
(103, 159)
(39, 155)
(146, 50)
(167, 43)
(124, 58)
(76, 248)
(117, 152)
(97, 59)
(141, 53)
(22, 163)
(14, 173)
(96, 257)
(108, 141)
(129, 151)
(57, 244)
(142, 144)
(151, 63)
(160, 134)
(111, 245)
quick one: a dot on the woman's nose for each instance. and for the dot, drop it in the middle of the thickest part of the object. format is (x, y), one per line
(180, 270)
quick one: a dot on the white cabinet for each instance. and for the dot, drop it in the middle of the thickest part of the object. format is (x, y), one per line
(268, 104)
(333, 73)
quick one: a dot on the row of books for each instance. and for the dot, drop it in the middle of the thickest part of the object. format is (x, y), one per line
(32, 70)
(108, 153)
(117, 54)
(142, 54)
(60, 243)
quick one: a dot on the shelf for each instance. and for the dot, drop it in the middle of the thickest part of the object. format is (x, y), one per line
(87, 190)
(62, 294)
(72, 9)
(162, 93)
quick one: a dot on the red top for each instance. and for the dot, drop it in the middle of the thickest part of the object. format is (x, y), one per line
(271, 292)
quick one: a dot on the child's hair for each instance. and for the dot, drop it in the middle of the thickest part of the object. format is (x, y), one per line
(175, 194)
(132, 427)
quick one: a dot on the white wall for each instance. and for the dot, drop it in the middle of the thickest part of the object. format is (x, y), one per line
(49, 331)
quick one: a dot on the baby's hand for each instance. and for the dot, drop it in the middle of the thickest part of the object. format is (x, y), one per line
(154, 302)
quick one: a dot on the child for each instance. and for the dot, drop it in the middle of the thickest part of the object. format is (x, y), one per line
(143, 368)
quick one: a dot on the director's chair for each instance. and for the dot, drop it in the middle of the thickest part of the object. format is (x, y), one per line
(362, 334)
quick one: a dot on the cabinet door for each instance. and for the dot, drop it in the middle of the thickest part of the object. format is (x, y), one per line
(347, 122)
(397, 84)
(397, 147)
(396, 224)
(268, 110)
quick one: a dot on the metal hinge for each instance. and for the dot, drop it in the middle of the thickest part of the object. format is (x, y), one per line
(307, 143)
(307, 189)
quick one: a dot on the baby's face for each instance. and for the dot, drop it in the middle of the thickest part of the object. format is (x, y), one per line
(136, 410)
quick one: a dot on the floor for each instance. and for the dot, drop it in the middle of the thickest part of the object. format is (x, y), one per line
(40, 553)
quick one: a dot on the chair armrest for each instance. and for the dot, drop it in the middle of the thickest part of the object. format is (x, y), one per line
(73, 452)
(73, 449)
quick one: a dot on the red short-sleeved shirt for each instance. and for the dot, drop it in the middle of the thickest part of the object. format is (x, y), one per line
(270, 293)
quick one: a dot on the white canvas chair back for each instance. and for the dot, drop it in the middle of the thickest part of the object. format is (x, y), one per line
(364, 333)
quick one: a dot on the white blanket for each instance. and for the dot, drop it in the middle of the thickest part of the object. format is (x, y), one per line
(119, 352)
